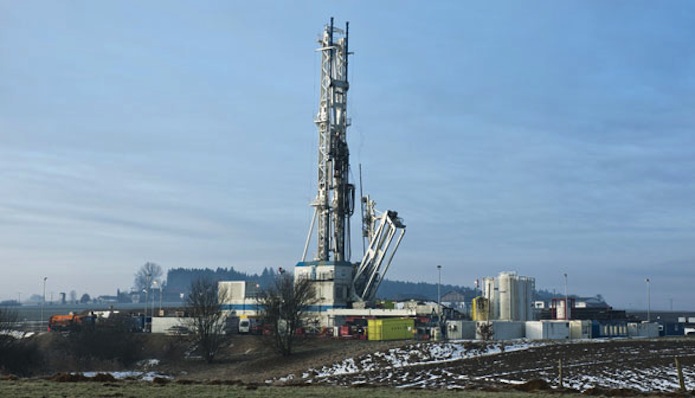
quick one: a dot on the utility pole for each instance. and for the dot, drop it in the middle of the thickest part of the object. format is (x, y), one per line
(649, 300)
(566, 300)
(439, 293)
(43, 300)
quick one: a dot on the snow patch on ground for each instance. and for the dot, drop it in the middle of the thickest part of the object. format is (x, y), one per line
(144, 375)
(17, 334)
(432, 365)
(425, 353)
(415, 354)
(131, 375)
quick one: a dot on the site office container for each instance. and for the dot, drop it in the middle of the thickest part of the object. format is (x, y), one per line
(460, 330)
(581, 329)
(548, 330)
(643, 329)
(390, 329)
(502, 330)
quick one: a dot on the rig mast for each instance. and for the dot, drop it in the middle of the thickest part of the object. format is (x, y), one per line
(338, 282)
(335, 200)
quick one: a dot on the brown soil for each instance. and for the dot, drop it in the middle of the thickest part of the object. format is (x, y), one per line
(251, 359)
(611, 365)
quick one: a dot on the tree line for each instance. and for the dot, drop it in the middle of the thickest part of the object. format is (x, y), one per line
(179, 281)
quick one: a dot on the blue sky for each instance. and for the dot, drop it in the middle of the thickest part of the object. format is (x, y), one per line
(537, 137)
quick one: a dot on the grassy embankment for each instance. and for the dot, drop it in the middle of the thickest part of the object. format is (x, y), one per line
(31, 388)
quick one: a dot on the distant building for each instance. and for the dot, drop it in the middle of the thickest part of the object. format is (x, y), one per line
(239, 297)
(454, 300)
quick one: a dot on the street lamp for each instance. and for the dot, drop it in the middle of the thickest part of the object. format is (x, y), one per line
(154, 283)
(147, 302)
(566, 299)
(439, 293)
(649, 299)
(43, 300)
(147, 296)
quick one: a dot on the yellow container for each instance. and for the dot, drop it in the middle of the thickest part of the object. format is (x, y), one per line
(390, 329)
(481, 309)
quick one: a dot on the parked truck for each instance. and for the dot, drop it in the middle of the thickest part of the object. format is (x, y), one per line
(70, 322)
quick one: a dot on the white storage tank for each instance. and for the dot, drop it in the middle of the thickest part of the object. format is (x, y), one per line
(511, 296)
(491, 293)
(506, 288)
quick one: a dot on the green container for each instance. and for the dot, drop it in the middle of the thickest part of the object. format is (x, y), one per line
(390, 329)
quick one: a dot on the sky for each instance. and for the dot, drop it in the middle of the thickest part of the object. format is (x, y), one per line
(541, 137)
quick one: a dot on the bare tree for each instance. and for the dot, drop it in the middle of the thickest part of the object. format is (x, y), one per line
(147, 274)
(17, 355)
(486, 331)
(283, 308)
(8, 326)
(204, 306)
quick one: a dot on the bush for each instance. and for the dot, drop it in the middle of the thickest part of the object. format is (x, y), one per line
(18, 355)
(112, 342)
(22, 358)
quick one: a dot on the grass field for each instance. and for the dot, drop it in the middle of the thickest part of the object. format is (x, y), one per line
(31, 388)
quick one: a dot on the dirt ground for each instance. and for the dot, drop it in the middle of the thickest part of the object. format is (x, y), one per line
(645, 365)
(251, 359)
(639, 365)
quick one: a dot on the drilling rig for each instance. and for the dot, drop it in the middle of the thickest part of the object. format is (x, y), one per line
(338, 282)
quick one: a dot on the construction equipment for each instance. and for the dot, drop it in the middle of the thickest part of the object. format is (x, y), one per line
(70, 322)
(380, 230)
(339, 282)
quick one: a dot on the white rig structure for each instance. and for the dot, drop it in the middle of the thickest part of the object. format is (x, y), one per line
(338, 282)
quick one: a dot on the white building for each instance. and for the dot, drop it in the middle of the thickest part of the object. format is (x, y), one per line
(239, 297)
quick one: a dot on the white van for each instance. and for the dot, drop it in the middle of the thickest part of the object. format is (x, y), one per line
(244, 326)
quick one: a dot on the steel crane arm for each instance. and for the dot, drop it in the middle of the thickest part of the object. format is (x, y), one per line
(378, 257)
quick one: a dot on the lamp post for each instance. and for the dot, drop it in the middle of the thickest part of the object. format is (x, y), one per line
(160, 299)
(43, 300)
(153, 297)
(439, 293)
(147, 302)
(147, 296)
(649, 300)
(566, 299)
